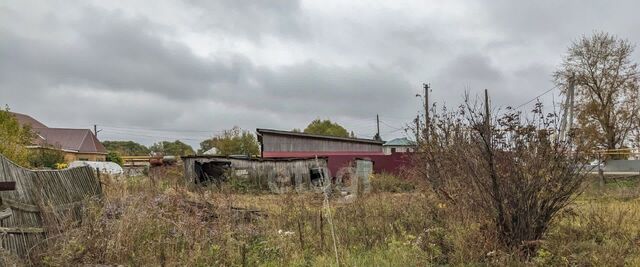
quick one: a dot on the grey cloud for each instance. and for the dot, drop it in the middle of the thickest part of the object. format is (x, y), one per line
(558, 22)
(118, 69)
(253, 19)
(333, 90)
(468, 72)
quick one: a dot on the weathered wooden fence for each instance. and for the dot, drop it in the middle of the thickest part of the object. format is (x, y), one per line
(40, 198)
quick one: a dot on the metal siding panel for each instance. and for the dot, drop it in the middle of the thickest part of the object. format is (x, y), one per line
(279, 143)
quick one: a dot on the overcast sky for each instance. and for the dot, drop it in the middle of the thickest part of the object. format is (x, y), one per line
(166, 70)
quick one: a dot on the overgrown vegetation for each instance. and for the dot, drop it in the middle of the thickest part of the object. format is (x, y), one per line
(14, 138)
(175, 148)
(232, 142)
(114, 157)
(126, 148)
(510, 173)
(391, 183)
(47, 157)
(153, 221)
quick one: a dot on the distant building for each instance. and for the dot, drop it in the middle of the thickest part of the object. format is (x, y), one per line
(77, 144)
(399, 145)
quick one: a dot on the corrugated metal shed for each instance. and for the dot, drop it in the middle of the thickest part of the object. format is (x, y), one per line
(282, 144)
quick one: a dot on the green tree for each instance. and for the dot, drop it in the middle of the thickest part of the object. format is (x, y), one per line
(14, 138)
(126, 148)
(232, 142)
(326, 127)
(175, 148)
(113, 156)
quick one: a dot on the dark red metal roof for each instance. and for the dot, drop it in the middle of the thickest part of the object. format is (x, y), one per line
(27, 120)
(77, 140)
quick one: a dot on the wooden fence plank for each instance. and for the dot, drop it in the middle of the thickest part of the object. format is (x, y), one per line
(39, 194)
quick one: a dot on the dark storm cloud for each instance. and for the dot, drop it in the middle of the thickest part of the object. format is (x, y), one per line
(113, 52)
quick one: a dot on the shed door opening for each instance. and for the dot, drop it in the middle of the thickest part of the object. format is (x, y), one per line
(212, 171)
(316, 175)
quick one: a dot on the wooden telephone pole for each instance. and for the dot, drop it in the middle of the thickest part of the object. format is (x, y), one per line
(378, 137)
(417, 120)
(427, 118)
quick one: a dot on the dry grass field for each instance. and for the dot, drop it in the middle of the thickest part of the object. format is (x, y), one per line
(155, 221)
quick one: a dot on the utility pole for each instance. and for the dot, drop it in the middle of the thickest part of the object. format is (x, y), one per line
(488, 141)
(417, 129)
(567, 117)
(427, 119)
(572, 88)
(378, 137)
(487, 117)
(95, 130)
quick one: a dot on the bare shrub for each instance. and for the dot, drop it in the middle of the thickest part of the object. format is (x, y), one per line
(510, 172)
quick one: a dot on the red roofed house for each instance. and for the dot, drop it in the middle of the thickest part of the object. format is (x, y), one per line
(77, 144)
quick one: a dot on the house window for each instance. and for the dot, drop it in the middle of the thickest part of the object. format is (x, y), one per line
(393, 150)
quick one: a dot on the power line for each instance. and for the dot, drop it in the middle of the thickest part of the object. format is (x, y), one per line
(392, 127)
(155, 136)
(161, 130)
(538, 96)
(394, 131)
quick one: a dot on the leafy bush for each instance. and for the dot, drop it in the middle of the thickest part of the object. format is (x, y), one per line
(126, 148)
(175, 148)
(115, 157)
(46, 158)
(14, 138)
